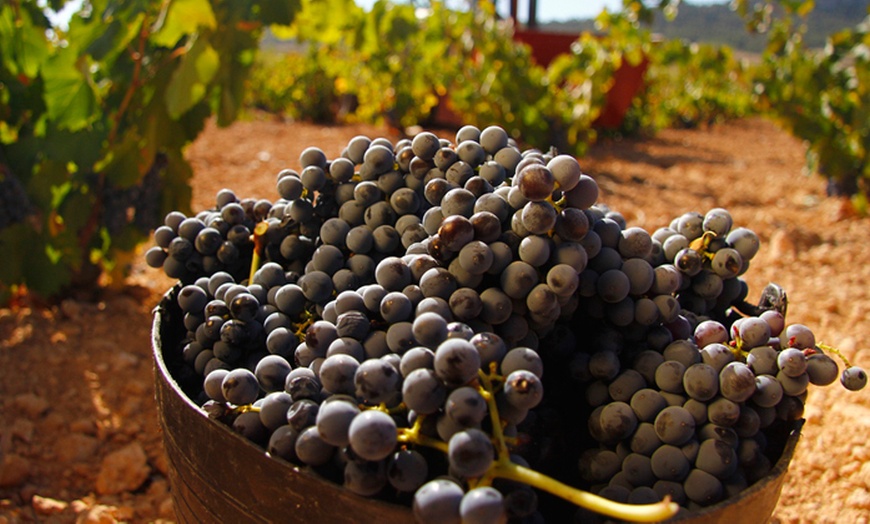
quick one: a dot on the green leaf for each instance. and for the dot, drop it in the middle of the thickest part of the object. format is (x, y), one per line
(76, 211)
(115, 38)
(70, 99)
(14, 239)
(82, 148)
(185, 17)
(8, 134)
(192, 123)
(48, 177)
(127, 164)
(234, 47)
(32, 263)
(177, 193)
(23, 46)
(326, 21)
(190, 80)
(280, 12)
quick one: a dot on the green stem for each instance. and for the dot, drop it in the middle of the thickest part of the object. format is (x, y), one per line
(831, 349)
(486, 390)
(502, 467)
(412, 435)
(259, 248)
(634, 512)
(738, 350)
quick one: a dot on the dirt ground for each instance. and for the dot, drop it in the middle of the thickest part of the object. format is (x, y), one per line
(79, 438)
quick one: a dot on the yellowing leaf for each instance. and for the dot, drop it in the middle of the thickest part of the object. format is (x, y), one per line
(189, 82)
(185, 17)
(805, 8)
(8, 134)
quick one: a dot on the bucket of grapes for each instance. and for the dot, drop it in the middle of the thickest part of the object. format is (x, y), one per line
(455, 330)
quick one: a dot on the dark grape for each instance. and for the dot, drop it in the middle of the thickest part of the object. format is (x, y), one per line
(854, 378)
(437, 502)
(437, 280)
(372, 435)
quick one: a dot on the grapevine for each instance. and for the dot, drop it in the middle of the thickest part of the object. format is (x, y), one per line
(95, 117)
(817, 96)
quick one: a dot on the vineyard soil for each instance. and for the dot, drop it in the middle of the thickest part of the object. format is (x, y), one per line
(79, 440)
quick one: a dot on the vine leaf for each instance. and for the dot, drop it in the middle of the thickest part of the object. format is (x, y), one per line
(279, 12)
(37, 264)
(45, 188)
(184, 17)
(327, 22)
(24, 50)
(114, 39)
(70, 99)
(127, 164)
(176, 177)
(190, 80)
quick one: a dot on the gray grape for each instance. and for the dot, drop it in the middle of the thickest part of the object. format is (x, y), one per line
(372, 435)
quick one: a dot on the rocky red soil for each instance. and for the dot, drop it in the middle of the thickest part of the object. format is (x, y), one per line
(79, 437)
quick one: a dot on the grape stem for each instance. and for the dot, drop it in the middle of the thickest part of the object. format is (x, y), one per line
(702, 244)
(634, 512)
(259, 248)
(486, 390)
(414, 436)
(303, 325)
(831, 349)
(503, 467)
(737, 345)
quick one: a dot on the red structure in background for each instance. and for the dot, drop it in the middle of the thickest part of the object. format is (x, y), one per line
(546, 46)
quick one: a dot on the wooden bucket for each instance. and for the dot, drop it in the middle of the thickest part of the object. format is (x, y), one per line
(216, 475)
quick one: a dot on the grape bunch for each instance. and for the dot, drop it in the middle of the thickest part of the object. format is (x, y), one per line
(388, 319)
(136, 204)
(14, 204)
(690, 422)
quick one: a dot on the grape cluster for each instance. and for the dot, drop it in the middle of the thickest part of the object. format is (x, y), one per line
(137, 204)
(14, 204)
(690, 422)
(387, 322)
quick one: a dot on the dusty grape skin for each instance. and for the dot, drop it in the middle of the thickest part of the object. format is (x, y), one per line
(470, 452)
(661, 291)
(372, 435)
(536, 182)
(853, 378)
(675, 425)
(483, 505)
(437, 502)
(240, 387)
(822, 369)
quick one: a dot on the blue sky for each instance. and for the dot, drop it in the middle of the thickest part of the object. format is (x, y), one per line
(552, 10)
(548, 10)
